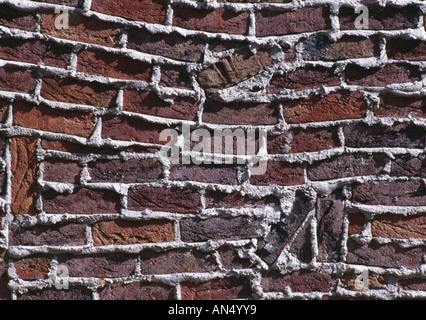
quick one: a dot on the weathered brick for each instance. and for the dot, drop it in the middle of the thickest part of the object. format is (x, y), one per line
(412, 284)
(407, 165)
(347, 165)
(405, 49)
(35, 51)
(131, 129)
(215, 20)
(298, 281)
(334, 106)
(329, 228)
(175, 77)
(301, 246)
(357, 223)
(234, 69)
(197, 230)
(219, 289)
(304, 140)
(44, 118)
(390, 193)
(280, 173)
(240, 113)
(132, 232)
(282, 233)
(151, 11)
(148, 102)
(61, 171)
(99, 266)
(303, 78)
(217, 199)
(274, 23)
(56, 235)
(136, 291)
(111, 65)
(221, 174)
(81, 201)
(161, 199)
(382, 18)
(320, 47)
(125, 171)
(403, 135)
(24, 175)
(32, 268)
(389, 255)
(402, 107)
(73, 293)
(230, 259)
(382, 76)
(176, 261)
(83, 29)
(13, 18)
(17, 79)
(78, 92)
(171, 45)
(70, 3)
(400, 227)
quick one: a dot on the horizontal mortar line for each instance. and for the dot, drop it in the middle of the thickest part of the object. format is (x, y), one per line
(156, 119)
(402, 271)
(380, 177)
(383, 209)
(403, 243)
(387, 150)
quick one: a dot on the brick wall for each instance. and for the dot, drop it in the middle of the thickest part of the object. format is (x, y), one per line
(88, 193)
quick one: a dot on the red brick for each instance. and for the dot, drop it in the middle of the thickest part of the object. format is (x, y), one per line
(216, 20)
(280, 173)
(274, 23)
(68, 234)
(218, 228)
(151, 11)
(395, 193)
(160, 199)
(175, 77)
(172, 45)
(32, 268)
(231, 260)
(240, 113)
(99, 266)
(357, 223)
(404, 49)
(106, 64)
(381, 77)
(131, 129)
(304, 281)
(176, 261)
(35, 51)
(320, 47)
(61, 171)
(24, 175)
(132, 232)
(136, 291)
(387, 18)
(129, 171)
(389, 255)
(216, 199)
(412, 284)
(83, 29)
(12, 18)
(205, 173)
(409, 166)
(399, 227)
(17, 79)
(79, 92)
(304, 140)
(219, 289)
(148, 102)
(81, 201)
(303, 78)
(44, 118)
(74, 293)
(401, 107)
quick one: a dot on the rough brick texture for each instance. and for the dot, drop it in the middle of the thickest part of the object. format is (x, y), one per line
(294, 155)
